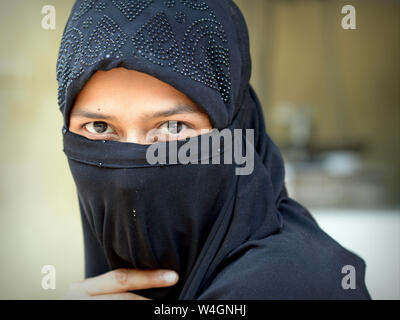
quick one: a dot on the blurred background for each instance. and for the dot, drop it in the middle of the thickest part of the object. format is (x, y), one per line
(331, 100)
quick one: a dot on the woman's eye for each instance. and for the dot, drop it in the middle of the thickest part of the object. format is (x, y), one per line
(173, 127)
(98, 127)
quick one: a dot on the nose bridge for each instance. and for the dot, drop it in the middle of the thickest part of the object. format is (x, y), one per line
(134, 135)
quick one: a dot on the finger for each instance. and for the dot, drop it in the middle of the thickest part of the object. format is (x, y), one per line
(117, 296)
(122, 280)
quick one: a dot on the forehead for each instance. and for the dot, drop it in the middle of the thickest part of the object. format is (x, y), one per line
(122, 85)
(122, 91)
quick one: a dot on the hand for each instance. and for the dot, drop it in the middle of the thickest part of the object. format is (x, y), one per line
(114, 285)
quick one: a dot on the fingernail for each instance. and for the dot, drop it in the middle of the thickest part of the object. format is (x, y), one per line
(170, 276)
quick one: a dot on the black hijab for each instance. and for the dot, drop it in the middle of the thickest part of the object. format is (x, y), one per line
(228, 236)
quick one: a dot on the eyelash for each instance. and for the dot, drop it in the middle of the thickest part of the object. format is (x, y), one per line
(85, 124)
(182, 122)
(158, 126)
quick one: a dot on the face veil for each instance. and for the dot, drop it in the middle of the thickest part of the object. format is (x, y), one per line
(201, 220)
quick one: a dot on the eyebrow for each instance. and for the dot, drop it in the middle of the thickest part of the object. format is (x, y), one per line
(92, 115)
(177, 109)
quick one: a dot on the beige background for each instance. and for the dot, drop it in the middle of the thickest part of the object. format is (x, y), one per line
(349, 81)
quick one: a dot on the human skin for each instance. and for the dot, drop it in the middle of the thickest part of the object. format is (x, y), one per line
(115, 284)
(129, 106)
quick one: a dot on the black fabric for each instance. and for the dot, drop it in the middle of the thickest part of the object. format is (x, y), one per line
(228, 236)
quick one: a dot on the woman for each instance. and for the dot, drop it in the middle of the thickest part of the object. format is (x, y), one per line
(137, 74)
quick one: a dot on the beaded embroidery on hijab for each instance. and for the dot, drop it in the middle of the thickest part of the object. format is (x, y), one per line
(199, 50)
